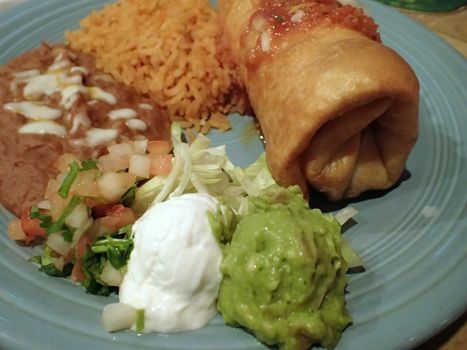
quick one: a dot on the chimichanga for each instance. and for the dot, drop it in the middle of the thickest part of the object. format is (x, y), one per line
(338, 109)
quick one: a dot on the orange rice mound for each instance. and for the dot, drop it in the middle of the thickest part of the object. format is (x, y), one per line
(170, 50)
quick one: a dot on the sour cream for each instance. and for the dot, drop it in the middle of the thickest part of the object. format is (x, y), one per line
(174, 268)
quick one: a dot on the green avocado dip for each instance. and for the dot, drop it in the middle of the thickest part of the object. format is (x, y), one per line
(284, 274)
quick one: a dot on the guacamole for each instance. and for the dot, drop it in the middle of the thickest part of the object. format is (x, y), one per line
(284, 275)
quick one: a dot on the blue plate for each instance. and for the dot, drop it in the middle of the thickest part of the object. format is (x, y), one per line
(413, 238)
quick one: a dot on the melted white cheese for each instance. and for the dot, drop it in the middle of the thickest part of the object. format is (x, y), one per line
(43, 127)
(97, 93)
(174, 268)
(26, 74)
(44, 84)
(33, 110)
(97, 136)
(80, 119)
(136, 124)
(146, 106)
(79, 69)
(122, 113)
(70, 95)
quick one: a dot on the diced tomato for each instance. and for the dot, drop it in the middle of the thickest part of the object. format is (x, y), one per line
(82, 245)
(160, 164)
(159, 147)
(31, 227)
(100, 210)
(118, 216)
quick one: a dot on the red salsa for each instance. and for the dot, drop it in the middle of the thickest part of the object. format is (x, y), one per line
(276, 18)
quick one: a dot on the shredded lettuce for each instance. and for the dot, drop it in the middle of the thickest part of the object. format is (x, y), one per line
(203, 169)
(47, 261)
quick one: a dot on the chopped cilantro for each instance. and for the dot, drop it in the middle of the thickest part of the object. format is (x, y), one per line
(58, 225)
(68, 180)
(139, 320)
(46, 220)
(68, 234)
(88, 165)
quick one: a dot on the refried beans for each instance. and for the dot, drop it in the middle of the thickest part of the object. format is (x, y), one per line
(52, 101)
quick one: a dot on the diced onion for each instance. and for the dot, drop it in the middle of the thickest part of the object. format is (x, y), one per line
(118, 317)
(140, 165)
(140, 146)
(85, 183)
(81, 230)
(78, 216)
(111, 276)
(113, 185)
(44, 204)
(59, 263)
(345, 214)
(121, 149)
(63, 162)
(57, 205)
(113, 162)
(57, 243)
(98, 229)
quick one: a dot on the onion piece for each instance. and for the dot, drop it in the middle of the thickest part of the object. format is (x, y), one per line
(80, 231)
(63, 162)
(59, 263)
(85, 183)
(140, 165)
(345, 215)
(140, 146)
(121, 149)
(113, 185)
(118, 317)
(113, 162)
(354, 262)
(44, 204)
(111, 275)
(78, 216)
(57, 243)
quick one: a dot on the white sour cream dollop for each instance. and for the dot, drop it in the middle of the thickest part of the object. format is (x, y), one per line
(174, 268)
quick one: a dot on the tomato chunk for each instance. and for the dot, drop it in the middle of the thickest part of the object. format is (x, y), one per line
(31, 227)
(82, 245)
(101, 209)
(160, 164)
(159, 147)
(118, 216)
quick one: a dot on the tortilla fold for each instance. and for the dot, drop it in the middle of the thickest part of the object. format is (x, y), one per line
(338, 110)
